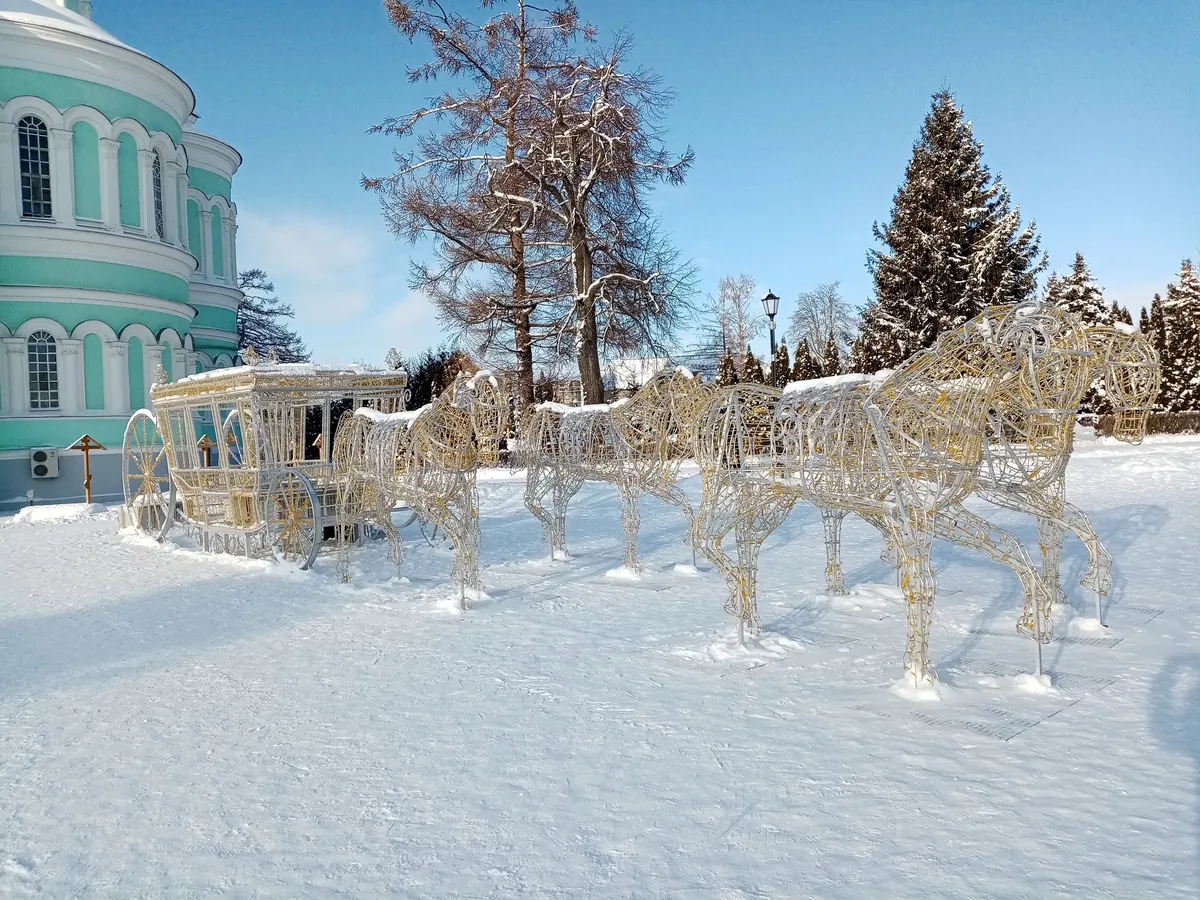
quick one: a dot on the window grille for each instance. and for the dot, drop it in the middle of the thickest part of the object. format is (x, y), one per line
(43, 371)
(33, 147)
(158, 197)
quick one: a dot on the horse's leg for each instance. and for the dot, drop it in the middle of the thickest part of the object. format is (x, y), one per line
(744, 601)
(832, 520)
(537, 485)
(631, 520)
(1099, 574)
(1050, 541)
(710, 525)
(672, 493)
(963, 527)
(565, 487)
(913, 538)
(462, 524)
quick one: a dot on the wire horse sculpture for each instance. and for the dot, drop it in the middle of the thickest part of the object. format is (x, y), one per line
(902, 451)
(1031, 436)
(427, 459)
(635, 444)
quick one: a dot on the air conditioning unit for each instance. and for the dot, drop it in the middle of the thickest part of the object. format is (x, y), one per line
(43, 462)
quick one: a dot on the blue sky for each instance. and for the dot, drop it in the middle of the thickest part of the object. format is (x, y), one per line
(802, 116)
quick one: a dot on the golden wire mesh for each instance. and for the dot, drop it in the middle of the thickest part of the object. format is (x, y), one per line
(636, 445)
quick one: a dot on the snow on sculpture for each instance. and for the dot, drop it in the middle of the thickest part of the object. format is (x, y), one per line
(903, 451)
(428, 458)
(1031, 435)
(636, 445)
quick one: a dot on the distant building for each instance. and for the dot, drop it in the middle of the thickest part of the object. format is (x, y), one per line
(117, 241)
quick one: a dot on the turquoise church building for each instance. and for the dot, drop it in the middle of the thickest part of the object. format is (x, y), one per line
(118, 249)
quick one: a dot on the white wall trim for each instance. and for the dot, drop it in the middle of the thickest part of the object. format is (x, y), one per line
(43, 294)
(98, 245)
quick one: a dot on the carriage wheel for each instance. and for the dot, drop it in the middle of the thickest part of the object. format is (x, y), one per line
(149, 494)
(294, 518)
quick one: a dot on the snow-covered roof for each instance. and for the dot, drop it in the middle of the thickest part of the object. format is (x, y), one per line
(51, 14)
(407, 417)
(285, 370)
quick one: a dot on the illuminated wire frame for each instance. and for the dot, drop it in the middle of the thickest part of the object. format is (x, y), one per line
(428, 459)
(902, 451)
(1031, 434)
(243, 448)
(635, 444)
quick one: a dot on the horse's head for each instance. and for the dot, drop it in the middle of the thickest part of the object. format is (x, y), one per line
(486, 405)
(1132, 377)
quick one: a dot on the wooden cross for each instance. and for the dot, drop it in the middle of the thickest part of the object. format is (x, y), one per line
(206, 445)
(87, 444)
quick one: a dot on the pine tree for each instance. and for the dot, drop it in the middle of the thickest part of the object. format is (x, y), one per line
(1156, 329)
(752, 371)
(803, 368)
(1055, 292)
(260, 319)
(1121, 314)
(727, 375)
(875, 347)
(831, 360)
(1144, 322)
(1181, 326)
(1080, 294)
(954, 245)
(781, 365)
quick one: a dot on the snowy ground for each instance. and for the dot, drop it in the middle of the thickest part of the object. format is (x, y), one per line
(180, 725)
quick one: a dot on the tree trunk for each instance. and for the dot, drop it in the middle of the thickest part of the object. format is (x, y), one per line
(524, 363)
(586, 344)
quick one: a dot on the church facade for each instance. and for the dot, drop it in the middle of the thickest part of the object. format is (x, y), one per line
(118, 249)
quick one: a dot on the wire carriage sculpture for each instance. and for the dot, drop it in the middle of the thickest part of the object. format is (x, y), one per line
(902, 451)
(427, 459)
(636, 444)
(245, 450)
(1031, 436)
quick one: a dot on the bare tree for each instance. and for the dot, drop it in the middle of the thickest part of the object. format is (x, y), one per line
(260, 316)
(822, 315)
(463, 185)
(731, 318)
(595, 150)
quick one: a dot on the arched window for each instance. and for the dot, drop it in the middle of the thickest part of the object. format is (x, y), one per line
(43, 371)
(156, 171)
(33, 142)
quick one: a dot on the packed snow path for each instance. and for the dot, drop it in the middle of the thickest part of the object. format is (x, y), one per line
(180, 725)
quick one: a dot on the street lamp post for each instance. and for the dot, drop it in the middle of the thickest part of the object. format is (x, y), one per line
(771, 307)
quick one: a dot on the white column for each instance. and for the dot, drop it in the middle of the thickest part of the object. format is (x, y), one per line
(116, 377)
(17, 364)
(146, 190)
(183, 200)
(227, 250)
(62, 185)
(70, 377)
(206, 251)
(10, 199)
(233, 251)
(171, 210)
(151, 360)
(110, 186)
(179, 364)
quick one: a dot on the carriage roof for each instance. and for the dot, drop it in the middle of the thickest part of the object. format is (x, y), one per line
(279, 380)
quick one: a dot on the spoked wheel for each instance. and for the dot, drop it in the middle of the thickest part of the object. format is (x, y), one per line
(293, 518)
(149, 494)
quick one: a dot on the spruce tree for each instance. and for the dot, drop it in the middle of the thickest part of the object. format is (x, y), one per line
(1181, 324)
(831, 360)
(752, 371)
(954, 245)
(1144, 322)
(727, 375)
(1080, 294)
(781, 365)
(803, 368)
(1121, 314)
(1158, 335)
